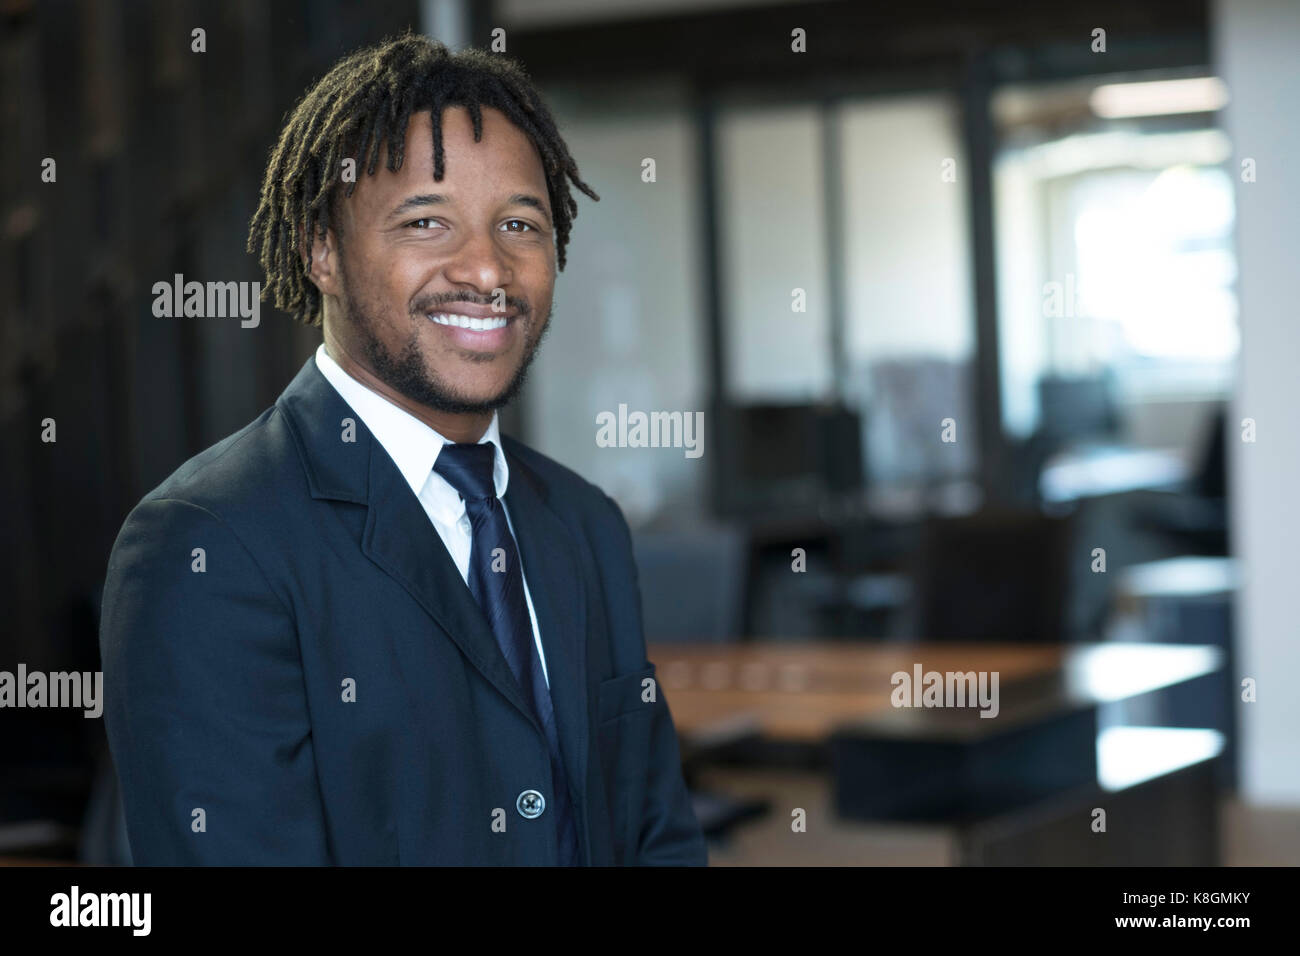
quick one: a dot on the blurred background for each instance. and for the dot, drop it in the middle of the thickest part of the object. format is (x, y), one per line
(989, 309)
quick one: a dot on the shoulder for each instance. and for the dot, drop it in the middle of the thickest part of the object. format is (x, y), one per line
(243, 481)
(556, 480)
(220, 512)
(254, 458)
(566, 491)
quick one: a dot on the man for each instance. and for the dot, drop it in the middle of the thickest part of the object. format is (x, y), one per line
(368, 628)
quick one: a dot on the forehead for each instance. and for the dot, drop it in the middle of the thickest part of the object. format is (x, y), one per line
(504, 161)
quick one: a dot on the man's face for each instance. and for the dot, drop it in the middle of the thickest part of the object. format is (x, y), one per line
(421, 259)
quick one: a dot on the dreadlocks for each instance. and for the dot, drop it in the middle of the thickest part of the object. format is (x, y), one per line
(366, 100)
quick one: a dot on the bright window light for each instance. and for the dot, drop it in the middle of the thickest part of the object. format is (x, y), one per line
(1160, 98)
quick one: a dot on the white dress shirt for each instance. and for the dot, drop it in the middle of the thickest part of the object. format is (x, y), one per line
(414, 446)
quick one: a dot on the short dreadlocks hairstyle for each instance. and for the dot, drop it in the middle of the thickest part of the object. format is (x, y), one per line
(364, 101)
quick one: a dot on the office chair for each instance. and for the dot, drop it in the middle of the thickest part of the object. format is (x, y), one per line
(998, 576)
(1077, 409)
(1194, 519)
(693, 589)
(692, 583)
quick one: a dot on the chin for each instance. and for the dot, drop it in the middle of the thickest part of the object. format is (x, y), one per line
(489, 400)
(478, 390)
(487, 397)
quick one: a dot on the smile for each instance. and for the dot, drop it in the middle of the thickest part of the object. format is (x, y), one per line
(470, 322)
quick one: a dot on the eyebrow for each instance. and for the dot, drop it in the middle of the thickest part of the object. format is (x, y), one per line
(411, 203)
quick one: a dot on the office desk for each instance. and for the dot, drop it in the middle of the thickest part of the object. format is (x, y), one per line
(1096, 471)
(1009, 787)
(804, 692)
(1182, 600)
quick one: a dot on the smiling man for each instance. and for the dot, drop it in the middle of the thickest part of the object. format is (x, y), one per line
(367, 628)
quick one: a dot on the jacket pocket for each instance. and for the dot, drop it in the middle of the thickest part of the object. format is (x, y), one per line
(622, 695)
(623, 734)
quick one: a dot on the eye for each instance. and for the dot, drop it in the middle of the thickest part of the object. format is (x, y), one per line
(421, 223)
(520, 222)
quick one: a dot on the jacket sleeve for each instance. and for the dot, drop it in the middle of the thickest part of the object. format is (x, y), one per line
(669, 833)
(205, 706)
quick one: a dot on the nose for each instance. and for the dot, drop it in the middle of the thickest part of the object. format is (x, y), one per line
(480, 264)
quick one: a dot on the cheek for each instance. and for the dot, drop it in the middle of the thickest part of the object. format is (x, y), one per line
(390, 276)
(541, 319)
(540, 294)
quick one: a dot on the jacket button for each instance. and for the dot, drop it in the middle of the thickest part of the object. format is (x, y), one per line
(530, 804)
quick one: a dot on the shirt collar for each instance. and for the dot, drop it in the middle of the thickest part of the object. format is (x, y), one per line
(412, 444)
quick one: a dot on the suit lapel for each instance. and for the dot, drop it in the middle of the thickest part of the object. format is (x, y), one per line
(398, 536)
(400, 539)
(554, 578)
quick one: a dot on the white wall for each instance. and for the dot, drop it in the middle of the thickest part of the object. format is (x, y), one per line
(1022, 333)
(907, 256)
(773, 241)
(1257, 47)
(627, 326)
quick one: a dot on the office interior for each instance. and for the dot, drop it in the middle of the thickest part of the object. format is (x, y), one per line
(984, 317)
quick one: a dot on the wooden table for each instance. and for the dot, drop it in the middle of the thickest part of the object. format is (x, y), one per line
(804, 692)
(1015, 788)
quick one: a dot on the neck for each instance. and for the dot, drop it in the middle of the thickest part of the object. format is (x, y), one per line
(460, 427)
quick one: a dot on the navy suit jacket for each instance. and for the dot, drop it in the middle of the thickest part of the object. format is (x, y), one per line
(317, 685)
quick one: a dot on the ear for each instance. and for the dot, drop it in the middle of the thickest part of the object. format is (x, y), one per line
(323, 268)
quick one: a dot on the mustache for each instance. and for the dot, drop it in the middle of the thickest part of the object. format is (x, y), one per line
(432, 303)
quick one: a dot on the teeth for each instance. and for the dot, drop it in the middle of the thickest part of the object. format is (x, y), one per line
(468, 322)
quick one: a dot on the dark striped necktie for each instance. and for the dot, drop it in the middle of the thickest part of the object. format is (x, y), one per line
(497, 584)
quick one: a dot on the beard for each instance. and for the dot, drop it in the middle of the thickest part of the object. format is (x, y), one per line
(406, 373)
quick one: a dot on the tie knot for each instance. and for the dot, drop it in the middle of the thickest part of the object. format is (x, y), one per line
(468, 469)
